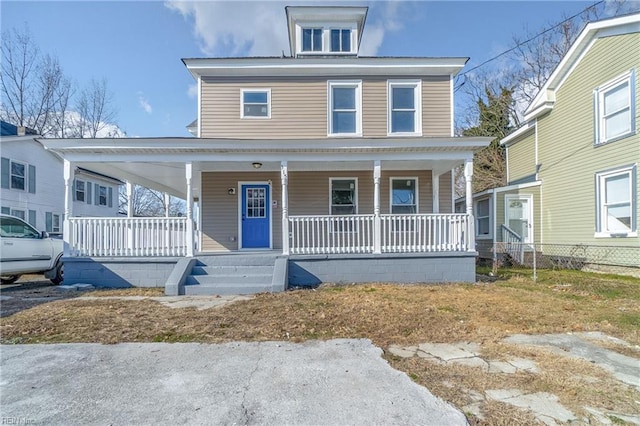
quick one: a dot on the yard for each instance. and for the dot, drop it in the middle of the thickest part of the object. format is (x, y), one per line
(484, 313)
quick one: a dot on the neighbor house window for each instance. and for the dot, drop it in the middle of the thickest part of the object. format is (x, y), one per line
(483, 218)
(80, 190)
(344, 196)
(616, 195)
(52, 222)
(102, 196)
(18, 213)
(18, 175)
(404, 195)
(345, 112)
(404, 108)
(341, 40)
(256, 103)
(615, 109)
(312, 39)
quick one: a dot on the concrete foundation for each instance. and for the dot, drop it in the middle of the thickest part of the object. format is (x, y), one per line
(119, 272)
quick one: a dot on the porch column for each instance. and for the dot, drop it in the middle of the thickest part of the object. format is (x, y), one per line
(468, 178)
(167, 204)
(68, 206)
(188, 175)
(284, 180)
(129, 199)
(377, 222)
(435, 186)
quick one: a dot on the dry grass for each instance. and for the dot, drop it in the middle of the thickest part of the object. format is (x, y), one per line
(560, 301)
(133, 291)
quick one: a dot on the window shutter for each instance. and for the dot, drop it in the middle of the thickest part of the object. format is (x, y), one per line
(97, 194)
(5, 210)
(5, 166)
(32, 218)
(73, 190)
(87, 195)
(48, 221)
(110, 197)
(32, 179)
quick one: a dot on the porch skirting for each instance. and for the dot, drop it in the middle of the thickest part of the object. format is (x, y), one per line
(402, 268)
(119, 272)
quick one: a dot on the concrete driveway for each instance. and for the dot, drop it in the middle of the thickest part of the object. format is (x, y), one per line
(332, 382)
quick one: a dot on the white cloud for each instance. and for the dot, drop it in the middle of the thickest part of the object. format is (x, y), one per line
(391, 19)
(144, 104)
(192, 91)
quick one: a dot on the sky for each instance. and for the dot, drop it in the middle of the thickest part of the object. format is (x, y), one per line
(137, 46)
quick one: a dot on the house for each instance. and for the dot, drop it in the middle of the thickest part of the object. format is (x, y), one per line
(33, 189)
(320, 166)
(572, 167)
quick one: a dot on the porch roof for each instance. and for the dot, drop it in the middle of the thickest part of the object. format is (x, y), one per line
(159, 163)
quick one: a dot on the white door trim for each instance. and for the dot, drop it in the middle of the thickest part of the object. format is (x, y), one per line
(529, 198)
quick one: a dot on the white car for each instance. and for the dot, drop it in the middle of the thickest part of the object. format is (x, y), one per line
(24, 250)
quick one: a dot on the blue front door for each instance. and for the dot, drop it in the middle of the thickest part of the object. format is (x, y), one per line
(255, 216)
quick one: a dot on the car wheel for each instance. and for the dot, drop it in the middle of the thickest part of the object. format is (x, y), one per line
(9, 279)
(59, 274)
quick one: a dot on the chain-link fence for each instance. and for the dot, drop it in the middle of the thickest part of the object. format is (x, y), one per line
(613, 259)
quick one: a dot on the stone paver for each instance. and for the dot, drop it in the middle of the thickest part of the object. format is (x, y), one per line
(501, 367)
(403, 352)
(524, 364)
(474, 361)
(544, 405)
(447, 351)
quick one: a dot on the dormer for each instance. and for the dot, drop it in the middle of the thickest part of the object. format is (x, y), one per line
(325, 30)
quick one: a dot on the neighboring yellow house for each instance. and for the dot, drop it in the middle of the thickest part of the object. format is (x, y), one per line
(572, 168)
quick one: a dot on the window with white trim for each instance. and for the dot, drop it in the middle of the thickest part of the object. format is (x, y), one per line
(615, 109)
(18, 172)
(404, 107)
(52, 222)
(80, 190)
(404, 195)
(482, 210)
(344, 106)
(312, 39)
(344, 196)
(340, 40)
(256, 103)
(616, 199)
(102, 196)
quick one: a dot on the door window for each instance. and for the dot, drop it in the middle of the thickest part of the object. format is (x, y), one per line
(256, 206)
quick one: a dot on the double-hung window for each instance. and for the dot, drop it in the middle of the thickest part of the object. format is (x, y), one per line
(616, 202)
(404, 107)
(312, 39)
(344, 196)
(614, 106)
(256, 103)
(52, 222)
(483, 218)
(345, 111)
(341, 40)
(18, 175)
(102, 195)
(80, 190)
(404, 195)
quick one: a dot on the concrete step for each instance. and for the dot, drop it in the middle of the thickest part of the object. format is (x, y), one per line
(238, 280)
(225, 289)
(237, 260)
(232, 270)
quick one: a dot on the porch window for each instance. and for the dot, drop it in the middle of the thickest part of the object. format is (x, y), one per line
(312, 39)
(404, 195)
(256, 103)
(483, 218)
(615, 109)
(345, 112)
(80, 190)
(344, 196)
(341, 40)
(404, 107)
(616, 197)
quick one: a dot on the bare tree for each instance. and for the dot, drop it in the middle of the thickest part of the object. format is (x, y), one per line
(150, 203)
(95, 108)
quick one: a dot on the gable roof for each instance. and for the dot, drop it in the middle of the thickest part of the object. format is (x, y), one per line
(545, 99)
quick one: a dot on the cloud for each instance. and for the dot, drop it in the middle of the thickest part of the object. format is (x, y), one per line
(144, 104)
(390, 18)
(192, 91)
(236, 28)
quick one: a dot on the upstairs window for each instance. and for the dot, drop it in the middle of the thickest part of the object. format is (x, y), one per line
(616, 195)
(256, 103)
(404, 195)
(404, 109)
(80, 190)
(312, 39)
(345, 112)
(615, 109)
(18, 175)
(341, 40)
(344, 196)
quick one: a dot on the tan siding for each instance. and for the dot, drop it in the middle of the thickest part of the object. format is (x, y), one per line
(445, 193)
(522, 158)
(299, 107)
(566, 145)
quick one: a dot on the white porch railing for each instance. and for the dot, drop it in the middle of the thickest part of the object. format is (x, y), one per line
(512, 244)
(116, 236)
(331, 234)
(411, 233)
(416, 233)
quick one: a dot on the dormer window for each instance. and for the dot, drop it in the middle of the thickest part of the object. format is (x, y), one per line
(341, 41)
(312, 40)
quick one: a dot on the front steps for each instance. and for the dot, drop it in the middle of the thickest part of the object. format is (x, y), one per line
(230, 274)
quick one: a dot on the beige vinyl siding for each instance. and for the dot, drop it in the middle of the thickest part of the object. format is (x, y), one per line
(299, 107)
(522, 158)
(500, 211)
(569, 160)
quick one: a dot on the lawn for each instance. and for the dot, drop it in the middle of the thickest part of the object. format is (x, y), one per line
(559, 301)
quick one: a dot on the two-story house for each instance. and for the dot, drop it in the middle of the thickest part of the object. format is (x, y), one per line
(32, 187)
(333, 166)
(572, 167)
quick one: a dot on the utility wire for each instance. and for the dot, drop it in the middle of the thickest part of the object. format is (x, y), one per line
(462, 74)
